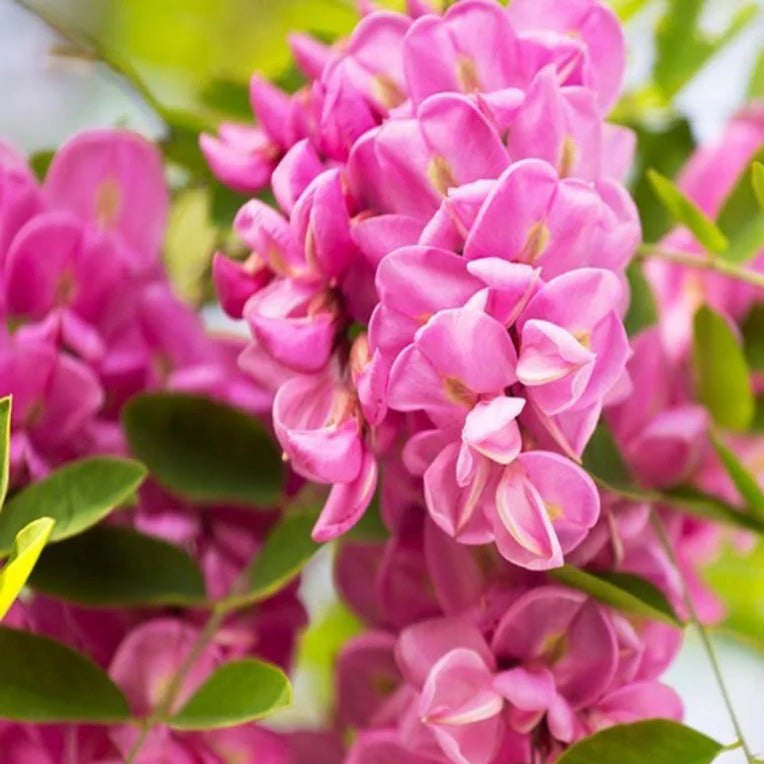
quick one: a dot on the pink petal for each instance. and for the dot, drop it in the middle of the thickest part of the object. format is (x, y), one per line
(491, 429)
(115, 180)
(347, 502)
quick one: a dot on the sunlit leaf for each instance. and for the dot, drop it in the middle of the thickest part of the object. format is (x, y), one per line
(744, 481)
(737, 577)
(757, 180)
(43, 681)
(5, 445)
(119, 567)
(741, 218)
(722, 378)
(686, 212)
(76, 497)
(203, 450)
(237, 692)
(623, 591)
(683, 47)
(756, 83)
(27, 547)
(657, 741)
(190, 242)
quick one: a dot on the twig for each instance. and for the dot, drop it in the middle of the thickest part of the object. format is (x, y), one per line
(707, 645)
(706, 261)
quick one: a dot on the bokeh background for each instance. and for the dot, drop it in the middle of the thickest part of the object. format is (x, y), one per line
(170, 68)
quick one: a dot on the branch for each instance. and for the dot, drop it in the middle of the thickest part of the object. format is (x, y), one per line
(706, 261)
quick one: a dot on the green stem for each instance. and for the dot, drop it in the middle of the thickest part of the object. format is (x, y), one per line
(705, 262)
(86, 42)
(164, 708)
(703, 633)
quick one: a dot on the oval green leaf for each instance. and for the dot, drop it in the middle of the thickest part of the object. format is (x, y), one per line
(741, 218)
(236, 693)
(694, 502)
(623, 591)
(757, 181)
(43, 681)
(203, 450)
(744, 481)
(5, 445)
(685, 211)
(656, 741)
(76, 497)
(119, 567)
(27, 547)
(722, 377)
(286, 550)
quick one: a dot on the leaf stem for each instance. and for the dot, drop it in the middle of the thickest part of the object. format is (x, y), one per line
(86, 42)
(166, 703)
(706, 261)
(660, 529)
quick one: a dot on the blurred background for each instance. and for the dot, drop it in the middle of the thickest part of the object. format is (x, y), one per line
(171, 68)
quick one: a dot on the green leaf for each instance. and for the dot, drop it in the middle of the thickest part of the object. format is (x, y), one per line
(741, 218)
(643, 310)
(43, 681)
(657, 741)
(744, 481)
(722, 378)
(623, 591)
(238, 692)
(695, 502)
(752, 330)
(757, 180)
(119, 567)
(286, 551)
(628, 8)
(26, 549)
(203, 450)
(602, 460)
(190, 241)
(756, 83)
(685, 211)
(5, 445)
(194, 45)
(738, 578)
(76, 497)
(683, 47)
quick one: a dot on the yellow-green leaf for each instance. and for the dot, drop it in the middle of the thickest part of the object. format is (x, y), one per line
(26, 549)
(758, 183)
(685, 211)
(76, 496)
(722, 377)
(5, 445)
(236, 693)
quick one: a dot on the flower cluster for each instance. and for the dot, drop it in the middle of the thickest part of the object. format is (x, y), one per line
(438, 306)
(89, 320)
(444, 283)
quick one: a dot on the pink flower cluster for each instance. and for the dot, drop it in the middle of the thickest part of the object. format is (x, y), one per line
(444, 283)
(88, 317)
(89, 320)
(438, 306)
